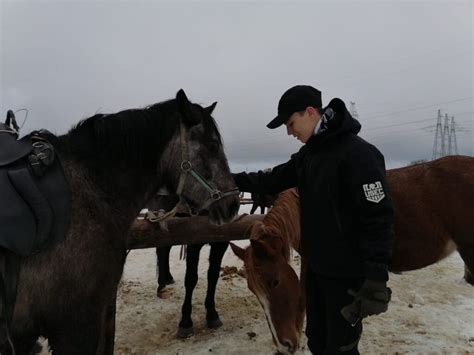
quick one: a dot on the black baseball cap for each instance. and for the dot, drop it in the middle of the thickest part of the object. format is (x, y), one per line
(295, 99)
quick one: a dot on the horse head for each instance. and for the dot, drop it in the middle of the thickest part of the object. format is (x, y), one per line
(276, 285)
(195, 160)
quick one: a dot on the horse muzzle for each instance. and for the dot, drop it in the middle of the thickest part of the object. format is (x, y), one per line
(224, 210)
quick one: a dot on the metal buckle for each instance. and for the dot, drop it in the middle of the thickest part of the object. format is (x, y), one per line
(216, 195)
(186, 166)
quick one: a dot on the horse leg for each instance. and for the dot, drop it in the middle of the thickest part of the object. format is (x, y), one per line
(215, 260)
(185, 327)
(262, 209)
(163, 269)
(468, 274)
(37, 348)
(108, 328)
(24, 345)
(466, 250)
(78, 336)
(254, 208)
(166, 265)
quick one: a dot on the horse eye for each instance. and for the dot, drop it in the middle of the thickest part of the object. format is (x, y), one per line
(275, 283)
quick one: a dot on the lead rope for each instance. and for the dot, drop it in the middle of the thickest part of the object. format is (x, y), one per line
(182, 178)
(161, 216)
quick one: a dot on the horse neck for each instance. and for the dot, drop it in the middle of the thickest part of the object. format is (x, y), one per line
(284, 216)
(127, 179)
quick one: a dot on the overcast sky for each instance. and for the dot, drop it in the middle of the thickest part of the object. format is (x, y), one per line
(399, 61)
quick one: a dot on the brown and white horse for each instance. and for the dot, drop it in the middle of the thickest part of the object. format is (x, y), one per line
(434, 217)
(269, 275)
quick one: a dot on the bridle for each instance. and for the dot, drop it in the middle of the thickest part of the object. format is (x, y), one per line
(186, 168)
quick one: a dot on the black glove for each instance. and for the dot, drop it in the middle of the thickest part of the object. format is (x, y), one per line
(372, 298)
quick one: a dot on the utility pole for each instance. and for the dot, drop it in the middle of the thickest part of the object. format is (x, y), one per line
(353, 110)
(453, 144)
(445, 142)
(437, 149)
(445, 136)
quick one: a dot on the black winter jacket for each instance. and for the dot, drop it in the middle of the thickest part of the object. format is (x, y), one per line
(346, 210)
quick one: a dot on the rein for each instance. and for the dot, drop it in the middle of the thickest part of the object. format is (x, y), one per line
(187, 169)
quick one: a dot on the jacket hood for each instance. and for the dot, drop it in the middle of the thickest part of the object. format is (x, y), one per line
(342, 122)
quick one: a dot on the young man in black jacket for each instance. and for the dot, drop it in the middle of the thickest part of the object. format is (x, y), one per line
(346, 217)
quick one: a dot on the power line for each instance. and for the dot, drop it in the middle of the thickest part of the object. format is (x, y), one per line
(405, 134)
(411, 122)
(363, 120)
(263, 141)
(397, 124)
(417, 108)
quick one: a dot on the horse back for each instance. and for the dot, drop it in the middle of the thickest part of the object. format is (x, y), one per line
(432, 208)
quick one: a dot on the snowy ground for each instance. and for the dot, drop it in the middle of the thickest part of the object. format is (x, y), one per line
(432, 312)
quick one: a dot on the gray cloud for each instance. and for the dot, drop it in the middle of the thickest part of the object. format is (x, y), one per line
(399, 61)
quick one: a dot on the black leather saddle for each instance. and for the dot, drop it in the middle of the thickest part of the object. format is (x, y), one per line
(34, 197)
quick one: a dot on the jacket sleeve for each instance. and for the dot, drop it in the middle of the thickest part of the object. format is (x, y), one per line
(280, 178)
(364, 173)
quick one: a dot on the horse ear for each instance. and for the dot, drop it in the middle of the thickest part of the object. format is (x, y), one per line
(211, 108)
(259, 249)
(185, 107)
(181, 96)
(257, 230)
(238, 251)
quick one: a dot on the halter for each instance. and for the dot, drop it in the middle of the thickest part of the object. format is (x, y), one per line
(187, 169)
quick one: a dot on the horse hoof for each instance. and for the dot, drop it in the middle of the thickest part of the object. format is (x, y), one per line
(185, 332)
(37, 348)
(213, 324)
(164, 292)
(469, 278)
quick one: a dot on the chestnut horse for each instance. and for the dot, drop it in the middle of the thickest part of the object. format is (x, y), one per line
(433, 218)
(434, 215)
(269, 275)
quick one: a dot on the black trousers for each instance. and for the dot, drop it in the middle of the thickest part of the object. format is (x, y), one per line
(327, 330)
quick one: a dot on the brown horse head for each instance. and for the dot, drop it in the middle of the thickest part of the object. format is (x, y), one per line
(276, 285)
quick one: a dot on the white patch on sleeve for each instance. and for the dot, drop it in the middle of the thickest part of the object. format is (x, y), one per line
(374, 192)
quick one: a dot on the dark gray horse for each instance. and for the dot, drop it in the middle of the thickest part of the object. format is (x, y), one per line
(217, 251)
(113, 165)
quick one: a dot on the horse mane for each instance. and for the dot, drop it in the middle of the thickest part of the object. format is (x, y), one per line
(282, 221)
(134, 136)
